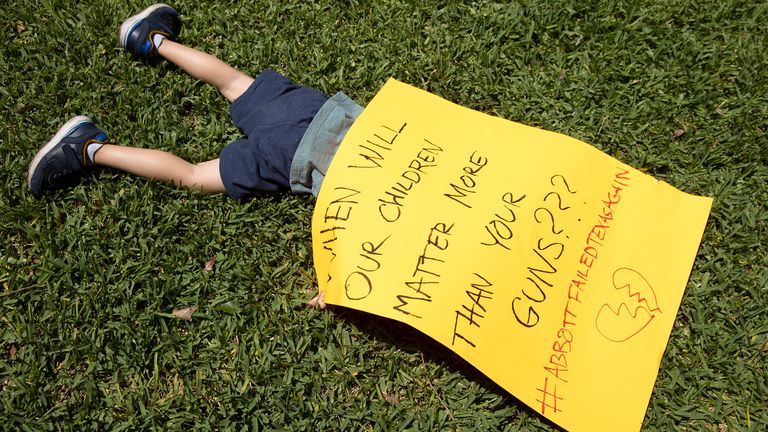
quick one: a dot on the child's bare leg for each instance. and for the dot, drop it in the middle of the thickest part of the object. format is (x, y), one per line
(153, 32)
(203, 66)
(79, 145)
(159, 165)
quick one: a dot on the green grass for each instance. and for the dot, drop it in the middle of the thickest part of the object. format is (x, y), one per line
(89, 276)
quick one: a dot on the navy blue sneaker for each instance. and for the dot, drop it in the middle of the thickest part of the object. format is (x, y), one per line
(137, 32)
(64, 159)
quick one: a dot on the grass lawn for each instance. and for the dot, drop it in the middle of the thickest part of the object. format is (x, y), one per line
(89, 277)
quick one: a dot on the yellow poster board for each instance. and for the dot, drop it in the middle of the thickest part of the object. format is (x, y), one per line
(553, 268)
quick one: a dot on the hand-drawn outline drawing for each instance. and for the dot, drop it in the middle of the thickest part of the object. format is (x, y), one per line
(626, 314)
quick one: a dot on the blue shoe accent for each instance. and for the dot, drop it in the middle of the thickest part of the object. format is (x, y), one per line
(145, 49)
(64, 159)
(136, 33)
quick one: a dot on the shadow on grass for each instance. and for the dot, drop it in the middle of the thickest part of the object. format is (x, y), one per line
(410, 340)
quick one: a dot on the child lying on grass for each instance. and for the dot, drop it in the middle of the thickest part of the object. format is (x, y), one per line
(291, 132)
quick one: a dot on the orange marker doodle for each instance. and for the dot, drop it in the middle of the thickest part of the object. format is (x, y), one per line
(630, 307)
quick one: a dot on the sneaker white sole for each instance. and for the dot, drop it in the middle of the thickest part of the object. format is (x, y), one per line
(130, 23)
(68, 127)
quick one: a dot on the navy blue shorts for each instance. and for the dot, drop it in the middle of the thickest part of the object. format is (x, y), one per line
(273, 114)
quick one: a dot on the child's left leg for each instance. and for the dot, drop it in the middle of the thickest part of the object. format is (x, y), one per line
(230, 82)
(148, 35)
(151, 34)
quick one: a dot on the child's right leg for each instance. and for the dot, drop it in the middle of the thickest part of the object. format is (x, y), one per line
(79, 145)
(159, 165)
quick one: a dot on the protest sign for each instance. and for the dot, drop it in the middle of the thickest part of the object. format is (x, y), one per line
(552, 267)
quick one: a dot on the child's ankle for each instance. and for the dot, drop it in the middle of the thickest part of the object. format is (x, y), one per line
(91, 150)
(158, 39)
